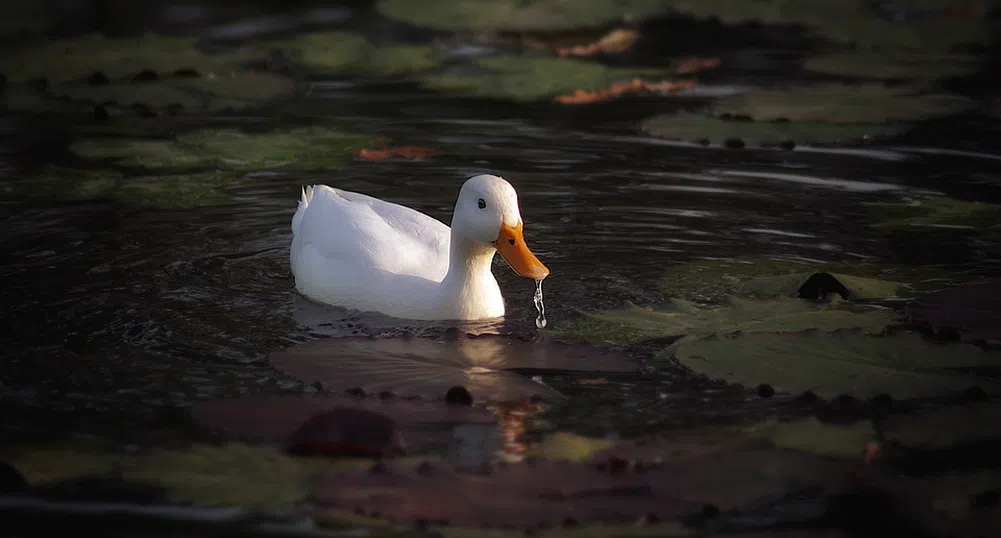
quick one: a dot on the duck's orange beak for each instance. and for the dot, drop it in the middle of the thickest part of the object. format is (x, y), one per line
(511, 246)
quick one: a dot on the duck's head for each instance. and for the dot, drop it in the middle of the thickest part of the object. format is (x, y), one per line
(487, 213)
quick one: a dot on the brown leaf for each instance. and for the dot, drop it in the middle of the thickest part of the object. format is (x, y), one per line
(615, 42)
(595, 381)
(694, 64)
(406, 152)
(618, 89)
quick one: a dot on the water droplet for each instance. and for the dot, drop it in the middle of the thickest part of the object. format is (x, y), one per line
(540, 321)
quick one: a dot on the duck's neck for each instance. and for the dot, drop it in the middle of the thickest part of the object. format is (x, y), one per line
(469, 283)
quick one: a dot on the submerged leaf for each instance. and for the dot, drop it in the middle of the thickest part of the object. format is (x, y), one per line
(972, 309)
(937, 212)
(554, 493)
(405, 152)
(678, 317)
(817, 285)
(49, 464)
(691, 127)
(830, 364)
(276, 418)
(960, 504)
(811, 435)
(945, 428)
(517, 14)
(842, 104)
(569, 447)
(428, 368)
(228, 149)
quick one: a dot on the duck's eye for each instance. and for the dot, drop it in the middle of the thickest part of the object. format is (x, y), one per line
(510, 241)
(481, 203)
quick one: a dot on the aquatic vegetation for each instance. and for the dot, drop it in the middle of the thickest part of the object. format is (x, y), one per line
(944, 428)
(345, 424)
(532, 78)
(811, 435)
(678, 317)
(763, 276)
(615, 41)
(619, 89)
(228, 149)
(961, 503)
(20, 18)
(487, 15)
(345, 52)
(972, 310)
(741, 132)
(891, 65)
(834, 363)
(931, 211)
(429, 368)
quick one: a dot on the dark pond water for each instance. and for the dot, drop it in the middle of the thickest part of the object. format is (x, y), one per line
(117, 319)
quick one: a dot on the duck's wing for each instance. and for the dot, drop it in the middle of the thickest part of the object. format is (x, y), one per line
(370, 233)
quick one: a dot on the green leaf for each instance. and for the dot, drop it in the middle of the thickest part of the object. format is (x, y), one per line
(936, 212)
(326, 52)
(528, 78)
(42, 465)
(847, 362)
(569, 446)
(890, 65)
(228, 149)
(842, 104)
(812, 435)
(692, 127)
(711, 280)
(809, 284)
(518, 14)
(678, 317)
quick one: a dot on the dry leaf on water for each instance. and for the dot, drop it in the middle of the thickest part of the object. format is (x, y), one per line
(405, 152)
(636, 85)
(614, 42)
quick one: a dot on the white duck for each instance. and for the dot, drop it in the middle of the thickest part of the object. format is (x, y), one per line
(359, 252)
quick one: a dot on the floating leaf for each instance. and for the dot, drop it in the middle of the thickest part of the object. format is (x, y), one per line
(226, 91)
(516, 14)
(618, 89)
(740, 133)
(817, 285)
(261, 478)
(972, 309)
(856, 23)
(811, 435)
(228, 149)
(527, 78)
(276, 418)
(888, 65)
(678, 317)
(848, 362)
(333, 52)
(428, 368)
(616, 41)
(945, 428)
(405, 152)
(842, 104)
(41, 465)
(711, 280)
(936, 212)
(553, 493)
(569, 447)
(85, 57)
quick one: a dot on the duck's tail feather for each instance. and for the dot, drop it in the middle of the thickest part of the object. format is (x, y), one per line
(307, 197)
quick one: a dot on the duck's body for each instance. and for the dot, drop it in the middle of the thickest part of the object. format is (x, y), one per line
(356, 251)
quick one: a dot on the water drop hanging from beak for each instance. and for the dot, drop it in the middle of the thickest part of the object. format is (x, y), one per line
(540, 321)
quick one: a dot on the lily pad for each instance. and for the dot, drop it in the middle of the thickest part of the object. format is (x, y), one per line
(692, 127)
(889, 65)
(849, 22)
(937, 212)
(846, 362)
(678, 317)
(711, 280)
(959, 504)
(236, 90)
(811, 435)
(566, 446)
(41, 465)
(972, 309)
(817, 286)
(523, 495)
(259, 478)
(228, 149)
(492, 15)
(531, 78)
(113, 59)
(428, 368)
(275, 419)
(945, 428)
(842, 104)
(329, 52)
